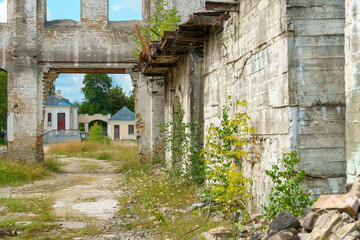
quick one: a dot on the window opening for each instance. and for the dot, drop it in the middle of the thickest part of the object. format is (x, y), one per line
(49, 120)
(120, 10)
(3, 11)
(63, 9)
(131, 129)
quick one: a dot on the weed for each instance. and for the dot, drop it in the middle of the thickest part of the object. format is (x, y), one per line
(224, 153)
(37, 205)
(52, 164)
(287, 192)
(90, 166)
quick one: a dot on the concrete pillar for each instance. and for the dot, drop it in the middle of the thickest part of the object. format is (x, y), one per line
(86, 127)
(148, 93)
(25, 84)
(352, 88)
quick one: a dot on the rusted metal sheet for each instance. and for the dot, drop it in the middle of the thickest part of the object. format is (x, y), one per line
(221, 6)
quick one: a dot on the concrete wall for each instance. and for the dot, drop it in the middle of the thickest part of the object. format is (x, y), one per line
(286, 59)
(352, 76)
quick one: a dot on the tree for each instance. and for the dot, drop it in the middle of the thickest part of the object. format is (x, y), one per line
(3, 100)
(96, 91)
(117, 99)
(52, 88)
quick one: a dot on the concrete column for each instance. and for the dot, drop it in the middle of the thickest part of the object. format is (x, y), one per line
(86, 127)
(352, 88)
(149, 110)
(25, 140)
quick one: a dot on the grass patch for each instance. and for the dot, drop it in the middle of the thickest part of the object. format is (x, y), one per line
(36, 205)
(159, 203)
(116, 151)
(27, 231)
(16, 173)
(90, 166)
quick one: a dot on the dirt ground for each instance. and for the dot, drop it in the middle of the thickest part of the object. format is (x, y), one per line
(83, 197)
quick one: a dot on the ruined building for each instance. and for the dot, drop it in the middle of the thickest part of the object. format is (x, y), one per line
(296, 62)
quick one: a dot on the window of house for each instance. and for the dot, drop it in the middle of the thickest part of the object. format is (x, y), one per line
(131, 129)
(49, 119)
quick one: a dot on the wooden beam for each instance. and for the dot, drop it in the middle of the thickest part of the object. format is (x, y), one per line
(221, 6)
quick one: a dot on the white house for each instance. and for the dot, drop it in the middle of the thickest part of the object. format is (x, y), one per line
(60, 113)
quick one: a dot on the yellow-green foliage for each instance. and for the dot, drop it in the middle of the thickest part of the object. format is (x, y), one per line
(235, 193)
(224, 153)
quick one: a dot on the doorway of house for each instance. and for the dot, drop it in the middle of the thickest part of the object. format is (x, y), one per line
(61, 121)
(116, 132)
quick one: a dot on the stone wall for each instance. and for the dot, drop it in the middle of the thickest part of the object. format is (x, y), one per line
(352, 76)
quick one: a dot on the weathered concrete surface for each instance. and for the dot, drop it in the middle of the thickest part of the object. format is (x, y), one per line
(352, 76)
(286, 58)
(34, 52)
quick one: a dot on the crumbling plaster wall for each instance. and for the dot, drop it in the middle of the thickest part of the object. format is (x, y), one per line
(286, 59)
(352, 82)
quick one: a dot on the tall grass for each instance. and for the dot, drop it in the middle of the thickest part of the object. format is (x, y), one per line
(116, 151)
(16, 173)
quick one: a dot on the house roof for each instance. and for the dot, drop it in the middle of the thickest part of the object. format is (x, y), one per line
(123, 114)
(54, 101)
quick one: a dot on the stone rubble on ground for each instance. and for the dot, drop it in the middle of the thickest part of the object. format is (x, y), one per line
(333, 217)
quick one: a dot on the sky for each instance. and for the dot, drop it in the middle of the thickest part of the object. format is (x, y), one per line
(70, 84)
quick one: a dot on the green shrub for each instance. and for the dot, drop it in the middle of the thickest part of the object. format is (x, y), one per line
(96, 135)
(224, 153)
(287, 192)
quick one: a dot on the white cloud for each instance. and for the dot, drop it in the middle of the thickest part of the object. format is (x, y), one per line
(123, 81)
(70, 86)
(119, 5)
(3, 11)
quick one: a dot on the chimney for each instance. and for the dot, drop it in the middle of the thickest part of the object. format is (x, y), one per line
(58, 94)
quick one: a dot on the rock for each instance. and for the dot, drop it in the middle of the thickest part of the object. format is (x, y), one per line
(309, 221)
(304, 236)
(355, 188)
(284, 220)
(344, 203)
(333, 225)
(220, 233)
(259, 236)
(287, 234)
(196, 206)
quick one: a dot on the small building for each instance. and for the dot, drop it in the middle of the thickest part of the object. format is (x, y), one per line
(121, 126)
(60, 113)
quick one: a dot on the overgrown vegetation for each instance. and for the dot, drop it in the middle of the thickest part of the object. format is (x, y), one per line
(182, 140)
(15, 173)
(287, 192)
(3, 100)
(224, 154)
(159, 204)
(115, 151)
(163, 19)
